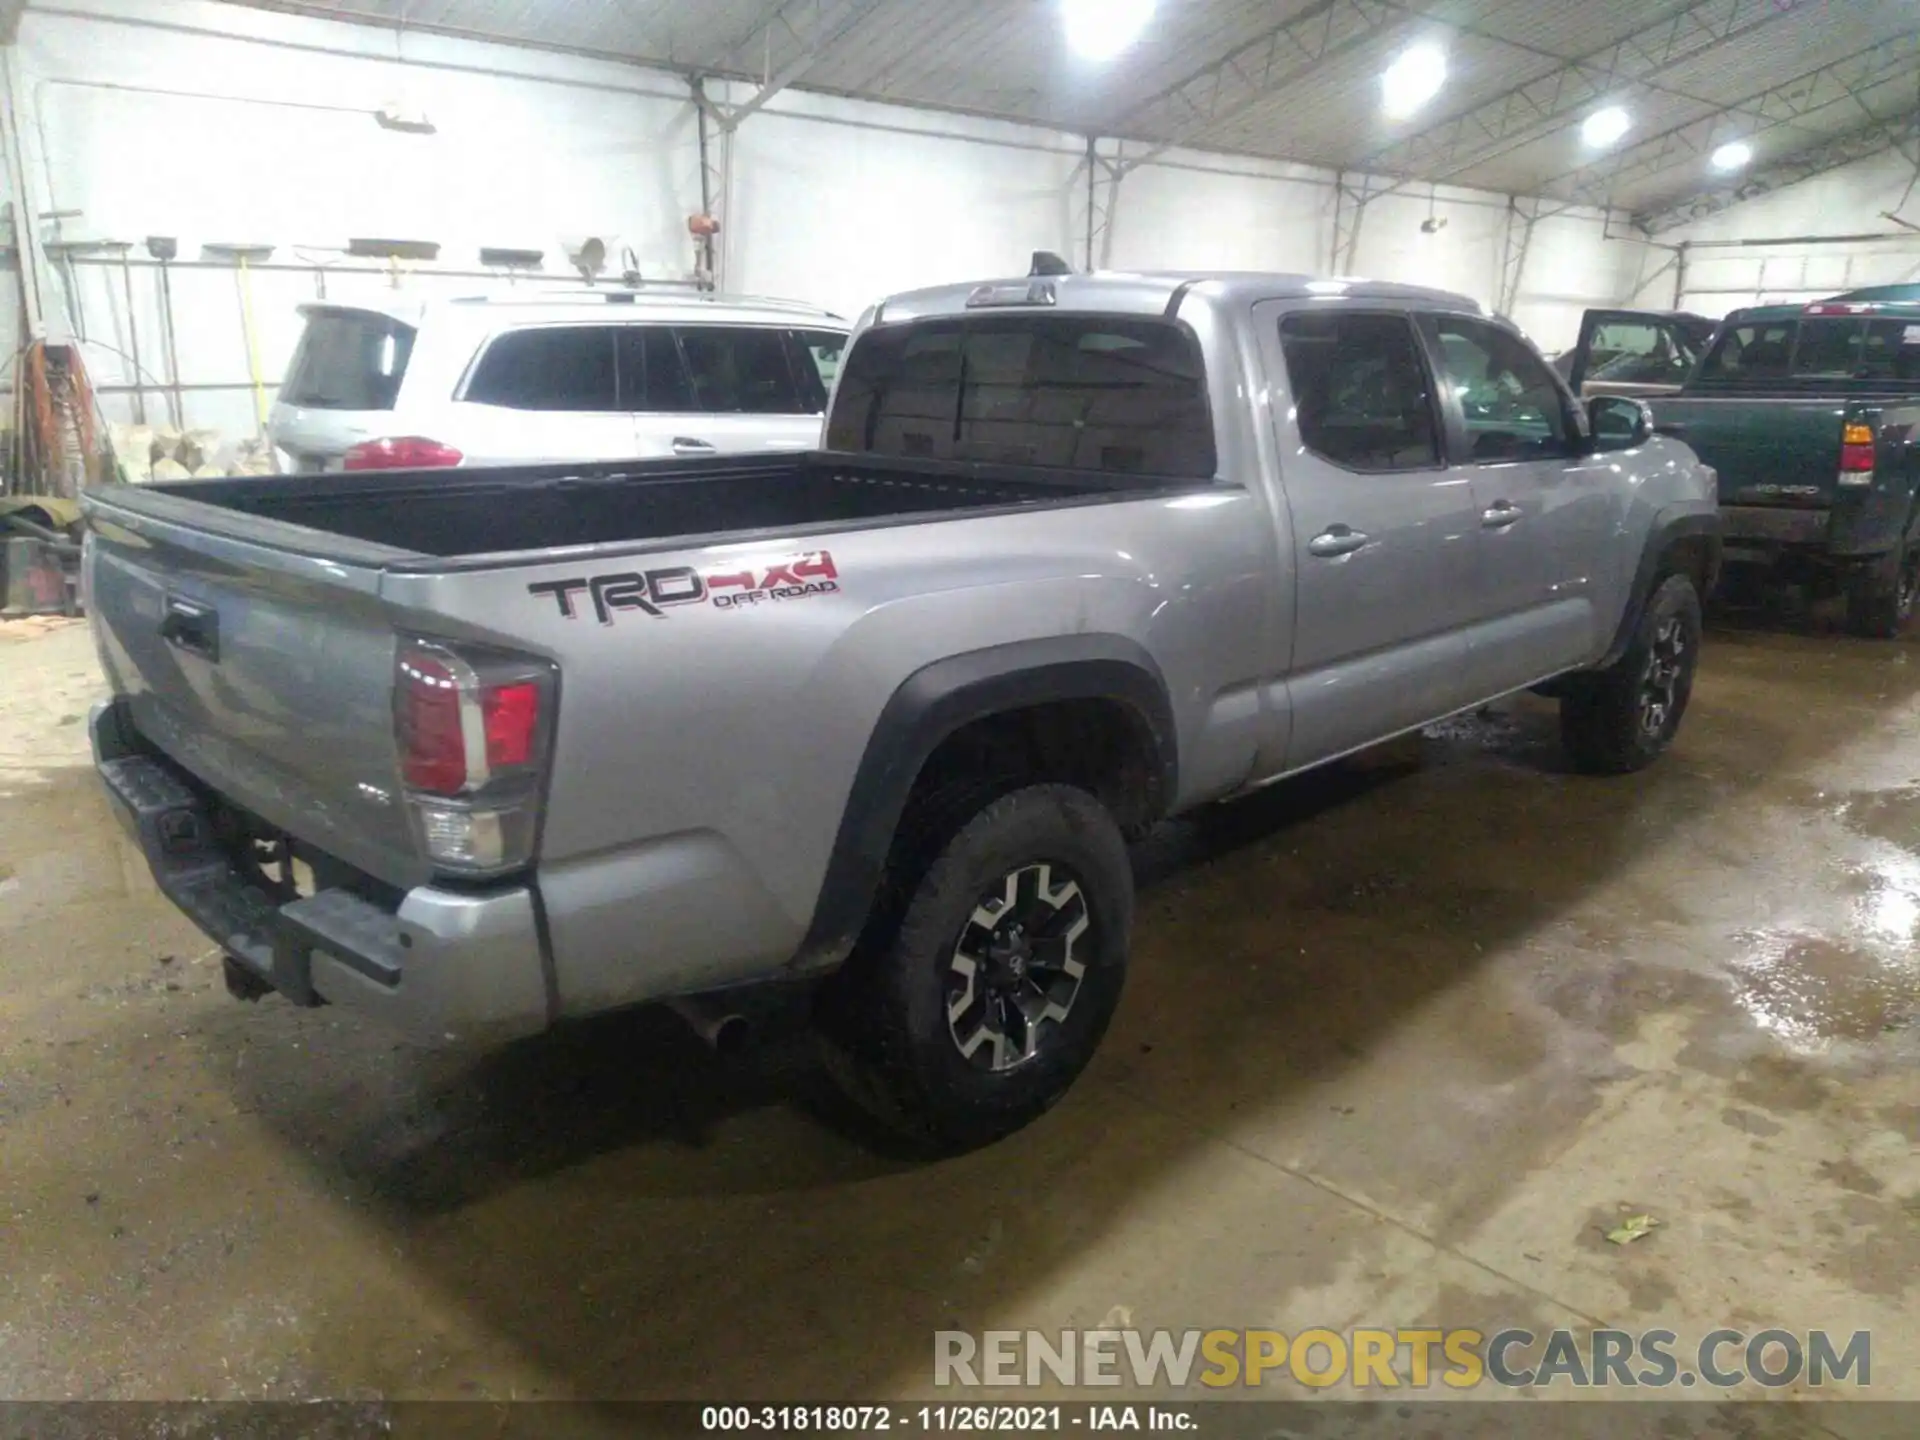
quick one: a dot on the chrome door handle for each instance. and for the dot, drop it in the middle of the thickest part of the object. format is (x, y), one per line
(684, 445)
(1334, 541)
(1500, 515)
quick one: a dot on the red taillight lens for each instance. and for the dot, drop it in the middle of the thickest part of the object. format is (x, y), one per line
(461, 723)
(1856, 449)
(408, 452)
(510, 715)
(433, 745)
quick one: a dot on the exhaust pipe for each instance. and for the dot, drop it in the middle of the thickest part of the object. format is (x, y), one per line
(714, 1021)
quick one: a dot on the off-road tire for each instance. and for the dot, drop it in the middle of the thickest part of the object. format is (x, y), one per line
(1607, 723)
(1880, 594)
(887, 1035)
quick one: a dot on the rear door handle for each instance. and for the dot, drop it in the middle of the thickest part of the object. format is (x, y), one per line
(1335, 541)
(686, 445)
(1500, 515)
(192, 627)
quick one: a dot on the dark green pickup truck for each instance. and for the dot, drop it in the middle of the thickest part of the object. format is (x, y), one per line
(1811, 416)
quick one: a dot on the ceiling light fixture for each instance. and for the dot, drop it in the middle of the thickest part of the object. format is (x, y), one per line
(1731, 156)
(1101, 29)
(1412, 80)
(1604, 127)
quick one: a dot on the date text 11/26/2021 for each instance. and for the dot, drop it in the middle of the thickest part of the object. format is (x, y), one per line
(995, 1419)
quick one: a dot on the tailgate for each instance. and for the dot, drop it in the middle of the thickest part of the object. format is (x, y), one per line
(267, 674)
(1769, 450)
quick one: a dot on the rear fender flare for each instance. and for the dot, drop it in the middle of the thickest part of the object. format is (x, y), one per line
(935, 702)
(1669, 527)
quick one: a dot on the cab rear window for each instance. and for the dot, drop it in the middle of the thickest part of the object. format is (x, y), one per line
(1828, 347)
(1092, 392)
(348, 360)
(1757, 351)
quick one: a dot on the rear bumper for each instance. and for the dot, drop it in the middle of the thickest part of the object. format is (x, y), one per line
(1863, 526)
(445, 965)
(1766, 528)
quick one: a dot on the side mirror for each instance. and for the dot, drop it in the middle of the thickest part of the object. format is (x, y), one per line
(1618, 422)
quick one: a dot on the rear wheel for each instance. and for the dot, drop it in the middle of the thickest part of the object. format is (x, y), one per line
(1623, 718)
(985, 1004)
(1880, 595)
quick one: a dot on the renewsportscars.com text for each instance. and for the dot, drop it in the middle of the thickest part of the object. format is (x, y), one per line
(1411, 1358)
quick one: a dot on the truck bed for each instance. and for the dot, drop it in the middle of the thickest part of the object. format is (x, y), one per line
(465, 514)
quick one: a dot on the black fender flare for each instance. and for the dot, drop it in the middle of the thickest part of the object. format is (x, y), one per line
(1667, 529)
(936, 701)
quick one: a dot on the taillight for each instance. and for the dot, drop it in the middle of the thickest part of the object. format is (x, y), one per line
(1856, 455)
(474, 728)
(408, 452)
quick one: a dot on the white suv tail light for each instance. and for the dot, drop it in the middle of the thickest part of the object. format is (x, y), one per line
(405, 452)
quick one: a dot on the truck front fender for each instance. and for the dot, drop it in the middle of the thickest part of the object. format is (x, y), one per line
(934, 703)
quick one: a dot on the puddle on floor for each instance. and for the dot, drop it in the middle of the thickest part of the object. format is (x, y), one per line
(1810, 991)
(1890, 815)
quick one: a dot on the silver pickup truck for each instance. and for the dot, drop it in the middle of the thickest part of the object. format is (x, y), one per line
(478, 751)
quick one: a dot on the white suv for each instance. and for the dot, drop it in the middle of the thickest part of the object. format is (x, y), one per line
(600, 374)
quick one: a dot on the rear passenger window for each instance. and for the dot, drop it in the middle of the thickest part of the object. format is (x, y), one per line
(1360, 394)
(741, 371)
(1092, 392)
(559, 368)
(653, 379)
(1751, 352)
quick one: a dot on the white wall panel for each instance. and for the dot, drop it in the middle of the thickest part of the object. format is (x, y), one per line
(1198, 211)
(220, 123)
(841, 202)
(1723, 276)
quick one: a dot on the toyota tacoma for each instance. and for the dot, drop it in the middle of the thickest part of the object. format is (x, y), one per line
(480, 751)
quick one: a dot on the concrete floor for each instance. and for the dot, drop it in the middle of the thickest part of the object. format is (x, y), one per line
(1400, 1042)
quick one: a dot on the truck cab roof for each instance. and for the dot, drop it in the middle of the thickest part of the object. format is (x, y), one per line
(1906, 294)
(1763, 313)
(1153, 293)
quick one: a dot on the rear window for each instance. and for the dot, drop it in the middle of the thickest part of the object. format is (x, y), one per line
(1828, 347)
(348, 360)
(739, 370)
(1758, 351)
(550, 368)
(1089, 392)
(1892, 351)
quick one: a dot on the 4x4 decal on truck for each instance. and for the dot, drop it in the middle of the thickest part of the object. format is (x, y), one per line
(795, 578)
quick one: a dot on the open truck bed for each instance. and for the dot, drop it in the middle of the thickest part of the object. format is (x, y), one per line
(252, 625)
(484, 516)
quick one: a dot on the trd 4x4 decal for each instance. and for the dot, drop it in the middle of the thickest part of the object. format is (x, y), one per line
(653, 592)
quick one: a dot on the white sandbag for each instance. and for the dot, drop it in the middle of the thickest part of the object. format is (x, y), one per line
(197, 448)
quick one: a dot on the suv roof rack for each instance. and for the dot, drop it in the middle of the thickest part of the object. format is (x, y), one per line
(631, 294)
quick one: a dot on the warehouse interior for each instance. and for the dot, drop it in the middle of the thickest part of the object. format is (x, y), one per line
(1234, 137)
(1406, 1040)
